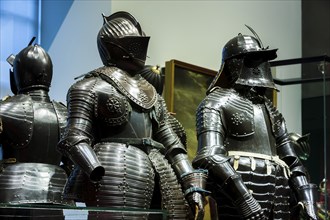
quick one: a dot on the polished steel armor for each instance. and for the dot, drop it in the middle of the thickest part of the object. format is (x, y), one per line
(124, 128)
(154, 75)
(119, 136)
(244, 61)
(32, 124)
(254, 172)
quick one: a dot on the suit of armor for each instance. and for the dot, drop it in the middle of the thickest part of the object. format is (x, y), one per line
(32, 124)
(119, 136)
(254, 171)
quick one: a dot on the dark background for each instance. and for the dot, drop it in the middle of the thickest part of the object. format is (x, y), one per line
(316, 42)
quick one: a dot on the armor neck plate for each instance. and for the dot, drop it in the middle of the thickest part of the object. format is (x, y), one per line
(136, 88)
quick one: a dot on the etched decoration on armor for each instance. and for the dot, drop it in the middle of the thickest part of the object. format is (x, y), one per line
(254, 171)
(113, 105)
(142, 96)
(239, 114)
(159, 114)
(111, 108)
(139, 91)
(238, 118)
(130, 158)
(135, 88)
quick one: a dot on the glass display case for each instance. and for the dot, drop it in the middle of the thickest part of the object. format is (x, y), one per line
(304, 85)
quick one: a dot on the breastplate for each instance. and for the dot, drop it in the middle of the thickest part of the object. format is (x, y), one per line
(138, 125)
(262, 141)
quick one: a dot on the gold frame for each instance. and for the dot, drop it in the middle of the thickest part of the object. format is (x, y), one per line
(190, 87)
(170, 75)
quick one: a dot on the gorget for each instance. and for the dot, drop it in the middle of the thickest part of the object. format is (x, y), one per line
(136, 88)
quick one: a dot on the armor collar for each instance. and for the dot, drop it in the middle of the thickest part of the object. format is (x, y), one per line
(136, 88)
(38, 95)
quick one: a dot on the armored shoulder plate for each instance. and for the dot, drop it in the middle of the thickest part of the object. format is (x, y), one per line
(276, 118)
(17, 112)
(94, 94)
(216, 98)
(208, 112)
(236, 112)
(136, 88)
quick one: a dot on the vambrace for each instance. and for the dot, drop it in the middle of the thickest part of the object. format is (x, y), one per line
(220, 170)
(306, 194)
(227, 180)
(172, 144)
(287, 153)
(304, 191)
(82, 155)
(194, 181)
(193, 185)
(191, 180)
(234, 188)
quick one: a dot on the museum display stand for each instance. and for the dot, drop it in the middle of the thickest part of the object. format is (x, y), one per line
(79, 212)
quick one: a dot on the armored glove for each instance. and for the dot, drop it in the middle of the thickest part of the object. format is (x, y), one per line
(194, 189)
(197, 203)
(306, 201)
